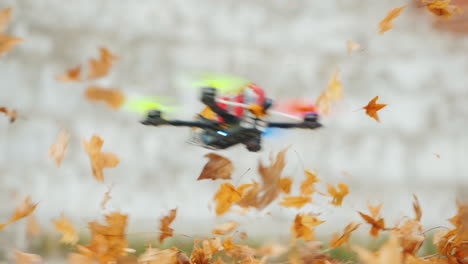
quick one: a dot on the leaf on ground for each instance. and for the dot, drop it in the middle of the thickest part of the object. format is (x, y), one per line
(218, 167)
(337, 194)
(295, 201)
(303, 226)
(343, 238)
(112, 97)
(27, 258)
(237, 251)
(372, 108)
(442, 8)
(225, 228)
(99, 160)
(307, 186)
(24, 209)
(101, 67)
(166, 256)
(68, 231)
(72, 75)
(11, 113)
(166, 221)
(58, 149)
(386, 24)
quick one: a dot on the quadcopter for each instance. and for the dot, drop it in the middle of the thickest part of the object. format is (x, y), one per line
(239, 118)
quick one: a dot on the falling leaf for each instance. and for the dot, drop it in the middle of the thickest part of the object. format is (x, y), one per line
(218, 167)
(225, 198)
(58, 149)
(68, 231)
(106, 199)
(112, 97)
(23, 210)
(32, 226)
(101, 67)
(203, 254)
(237, 251)
(295, 201)
(225, 228)
(341, 239)
(304, 226)
(417, 208)
(377, 224)
(8, 43)
(243, 235)
(166, 256)
(372, 107)
(5, 16)
(334, 92)
(167, 231)
(272, 250)
(389, 253)
(352, 46)
(26, 258)
(73, 75)
(307, 186)
(375, 210)
(285, 184)
(386, 23)
(99, 160)
(10, 113)
(410, 236)
(339, 194)
(442, 8)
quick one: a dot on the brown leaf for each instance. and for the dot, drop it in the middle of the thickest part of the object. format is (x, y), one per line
(442, 8)
(101, 67)
(417, 208)
(295, 201)
(389, 253)
(225, 228)
(167, 256)
(372, 107)
(341, 239)
(218, 167)
(337, 194)
(58, 149)
(304, 226)
(166, 231)
(23, 210)
(68, 231)
(5, 16)
(8, 43)
(307, 186)
(72, 75)
(285, 184)
(99, 160)
(203, 254)
(410, 236)
(112, 97)
(9, 113)
(26, 258)
(377, 224)
(386, 23)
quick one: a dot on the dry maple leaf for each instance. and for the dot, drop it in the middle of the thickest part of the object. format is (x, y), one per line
(341, 239)
(295, 201)
(112, 97)
(304, 224)
(334, 92)
(312, 252)
(8, 43)
(417, 208)
(285, 184)
(167, 256)
(442, 8)
(9, 113)
(99, 160)
(23, 210)
(411, 237)
(72, 75)
(375, 210)
(32, 226)
(225, 228)
(389, 253)
(225, 198)
(108, 242)
(101, 67)
(307, 186)
(203, 254)
(5, 16)
(452, 243)
(58, 149)
(218, 167)
(337, 194)
(68, 231)
(26, 258)
(166, 231)
(372, 107)
(237, 251)
(106, 198)
(352, 46)
(386, 23)
(377, 224)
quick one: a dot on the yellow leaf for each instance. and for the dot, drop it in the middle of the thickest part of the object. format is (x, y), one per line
(24, 209)
(101, 67)
(112, 97)
(341, 239)
(442, 8)
(285, 184)
(304, 226)
(295, 201)
(58, 149)
(386, 23)
(352, 46)
(99, 160)
(339, 194)
(5, 16)
(225, 198)
(307, 186)
(225, 228)
(389, 253)
(68, 231)
(8, 43)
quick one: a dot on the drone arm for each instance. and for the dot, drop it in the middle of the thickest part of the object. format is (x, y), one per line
(188, 123)
(306, 125)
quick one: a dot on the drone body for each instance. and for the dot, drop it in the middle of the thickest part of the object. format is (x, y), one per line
(228, 120)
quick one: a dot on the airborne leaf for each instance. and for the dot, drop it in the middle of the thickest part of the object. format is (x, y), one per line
(341, 239)
(5, 16)
(72, 75)
(386, 24)
(167, 231)
(285, 184)
(112, 97)
(68, 231)
(10, 113)
(101, 67)
(337, 194)
(218, 167)
(304, 224)
(225, 228)
(295, 201)
(99, 160)
(372, 107)
(58, 149)
(442, 8)
(307, 186)
(23, 210)
(226, 197)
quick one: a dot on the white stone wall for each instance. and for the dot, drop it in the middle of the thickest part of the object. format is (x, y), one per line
(290, 48)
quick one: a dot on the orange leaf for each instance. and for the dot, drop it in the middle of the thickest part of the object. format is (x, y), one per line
(334, 92)
(340, 240)
(307, 186)
(295, 201)
(442, 8)
(58, 149)
(68, 231)
(73, 75)
(101, 67)
(375, 210)
(218, 167)
(337, 195)
(304, 226)
(386, 23)
(5, 16)
(32, 226)
(8, 43)
(352, 46)
(285, 184)
(10, 113)
(24, 209)
(26, 258)
(389, 253)
(203, 254)
(166, 256)
(226, 197)
(372, 107)
(417, 208)
(106, 198)
(112, 97)
(166, 231)
(377, 224)
(225, 228)
(99, 160)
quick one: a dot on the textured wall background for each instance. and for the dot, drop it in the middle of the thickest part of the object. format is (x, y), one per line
(291, 49)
